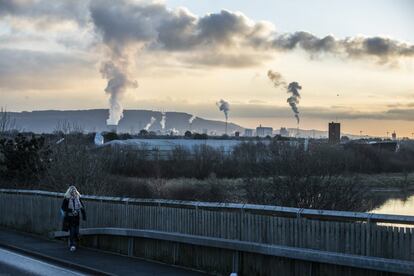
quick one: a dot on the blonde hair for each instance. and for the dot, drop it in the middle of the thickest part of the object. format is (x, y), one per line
(68, 193)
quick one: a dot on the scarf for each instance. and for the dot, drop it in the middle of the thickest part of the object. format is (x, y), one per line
(74, 203)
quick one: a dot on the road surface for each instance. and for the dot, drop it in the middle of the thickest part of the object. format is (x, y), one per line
(12, 263)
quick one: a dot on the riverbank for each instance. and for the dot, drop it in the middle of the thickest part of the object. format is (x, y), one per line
(356, 192)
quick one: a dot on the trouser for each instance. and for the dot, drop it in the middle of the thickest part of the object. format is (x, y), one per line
(73, 235)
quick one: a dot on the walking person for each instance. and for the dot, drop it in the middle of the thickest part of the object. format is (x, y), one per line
(72, 207)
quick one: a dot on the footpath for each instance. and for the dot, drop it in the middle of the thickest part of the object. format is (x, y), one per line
(88, 261)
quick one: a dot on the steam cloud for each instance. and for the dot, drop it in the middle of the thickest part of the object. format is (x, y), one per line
(174, 131)
(192, 119)
(118, 82)
(163, 119)
(225, 107)
(293, 88)
(151, 122)
(115, 69)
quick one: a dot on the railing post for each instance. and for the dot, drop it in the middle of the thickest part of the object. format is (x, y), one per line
(130, 247)
(241, 228)
(368, 235)
(235, 265)
(299, 212)
(126, 217)
(175, 252)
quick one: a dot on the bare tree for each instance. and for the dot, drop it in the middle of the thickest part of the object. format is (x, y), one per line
(66, 127)
(7, 124)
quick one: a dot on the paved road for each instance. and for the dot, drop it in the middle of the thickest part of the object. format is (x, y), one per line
(12, 263)
(58, 252)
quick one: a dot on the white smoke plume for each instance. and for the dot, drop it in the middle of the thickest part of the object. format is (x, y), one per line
(293, 88)
(151, 122)
(174, 132)
(163, 119)
(116, 73)
(225, 107)
(192, 119)
(115, 68)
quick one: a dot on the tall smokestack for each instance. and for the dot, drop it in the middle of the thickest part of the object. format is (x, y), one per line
(225, 107)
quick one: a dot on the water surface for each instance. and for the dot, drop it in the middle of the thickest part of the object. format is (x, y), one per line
(397, 207)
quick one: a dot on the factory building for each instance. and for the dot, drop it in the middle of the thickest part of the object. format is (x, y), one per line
(264, 131)
(334, 133)
(284, 132)
(248, 132)
(112, 128)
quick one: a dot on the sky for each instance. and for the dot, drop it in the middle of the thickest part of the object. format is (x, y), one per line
(354, 60)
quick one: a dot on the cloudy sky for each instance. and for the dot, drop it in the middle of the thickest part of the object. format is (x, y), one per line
(353, 59)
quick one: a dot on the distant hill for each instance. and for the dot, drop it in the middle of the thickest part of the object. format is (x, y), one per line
(46, 121)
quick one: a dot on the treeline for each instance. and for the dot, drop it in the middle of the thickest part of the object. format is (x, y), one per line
(259, 159)
(263, 171)
(32, 157)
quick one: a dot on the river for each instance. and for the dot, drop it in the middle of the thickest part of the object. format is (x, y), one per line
(397, 207)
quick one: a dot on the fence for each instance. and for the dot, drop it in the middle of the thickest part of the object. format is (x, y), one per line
(342, 232)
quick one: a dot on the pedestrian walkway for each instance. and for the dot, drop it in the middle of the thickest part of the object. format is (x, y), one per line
(98, 261)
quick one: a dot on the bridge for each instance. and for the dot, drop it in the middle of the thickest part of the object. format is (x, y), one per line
(224, 238)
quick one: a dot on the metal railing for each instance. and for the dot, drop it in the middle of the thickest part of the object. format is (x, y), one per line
(248, 208)
(352, 233)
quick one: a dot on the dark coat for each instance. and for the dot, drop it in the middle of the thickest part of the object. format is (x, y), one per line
(71, 220)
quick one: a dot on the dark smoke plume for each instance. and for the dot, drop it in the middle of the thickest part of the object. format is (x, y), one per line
(293, 88)
(225, 107)
(226, 34)
(276, 78)
(293, 100)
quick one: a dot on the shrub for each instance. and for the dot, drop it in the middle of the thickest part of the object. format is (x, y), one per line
(24, 158)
